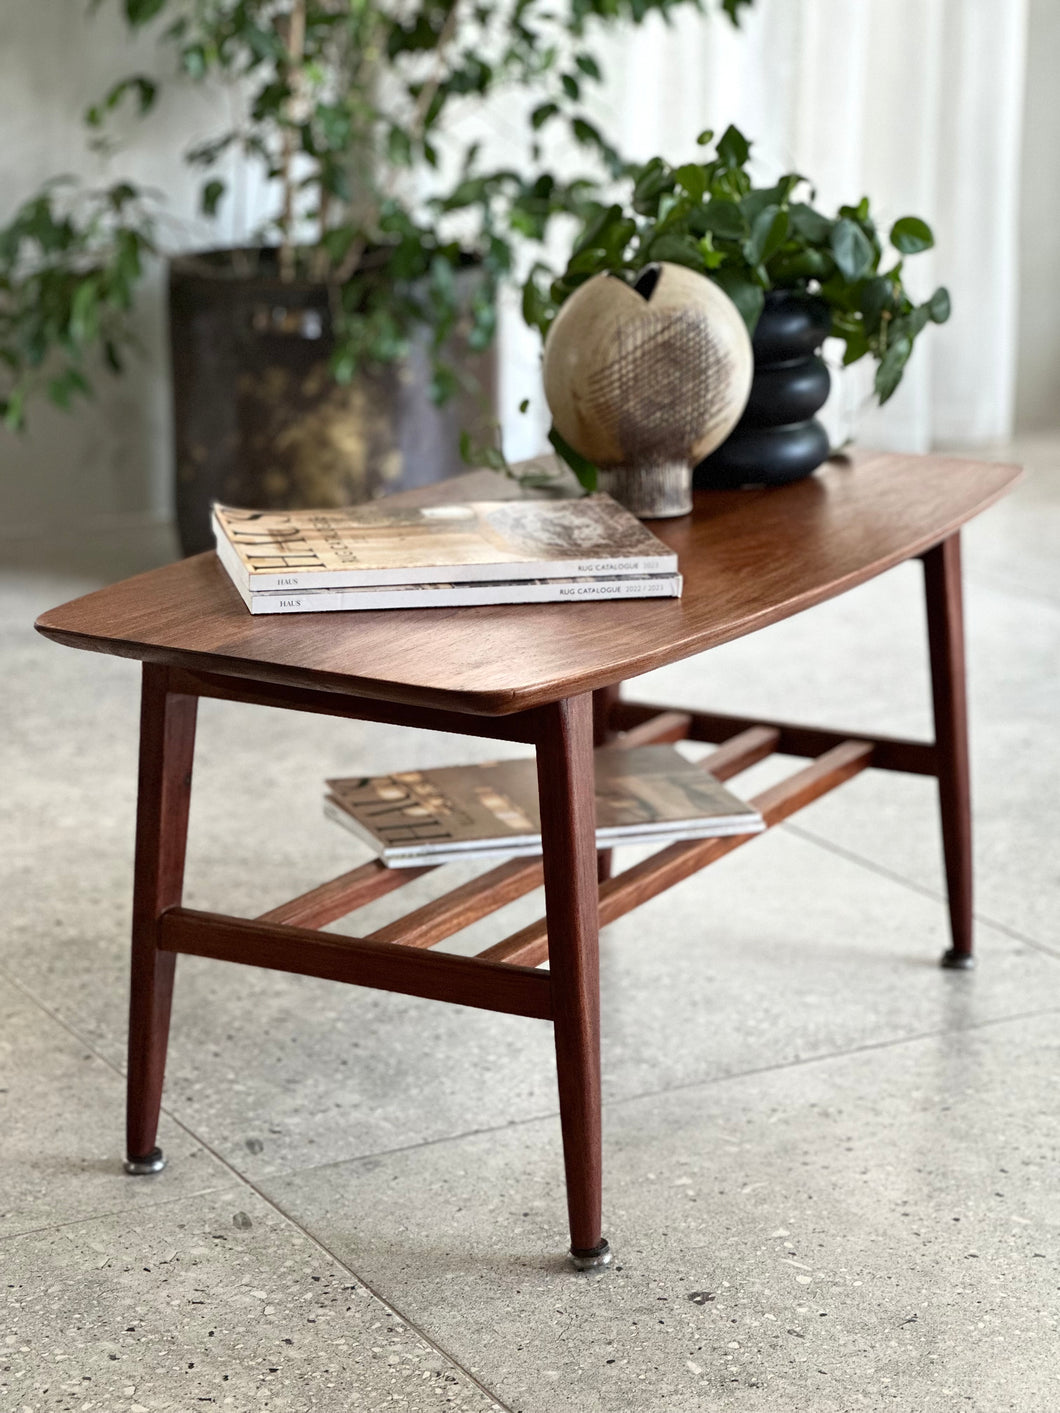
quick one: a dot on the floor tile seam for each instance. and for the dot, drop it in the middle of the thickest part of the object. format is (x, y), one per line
(341, 1261)
(438, 1142)
(124, 1212)
(241, 1180)
(830, 1056)
(869, 1047)
(863, 861)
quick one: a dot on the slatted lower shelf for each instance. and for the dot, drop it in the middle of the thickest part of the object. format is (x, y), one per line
(504, 976)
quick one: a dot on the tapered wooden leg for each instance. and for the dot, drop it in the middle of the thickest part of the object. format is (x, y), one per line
(167, 743)
(565, 781)
(945, 618)
(603, 700)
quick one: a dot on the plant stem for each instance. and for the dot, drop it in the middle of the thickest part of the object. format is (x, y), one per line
(430, 88)
(296, 53)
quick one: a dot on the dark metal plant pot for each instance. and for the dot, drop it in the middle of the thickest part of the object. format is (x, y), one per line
(778, 438)
(258, 419)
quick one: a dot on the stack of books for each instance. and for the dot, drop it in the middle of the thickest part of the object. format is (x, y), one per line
(644, 795)
(441, 556)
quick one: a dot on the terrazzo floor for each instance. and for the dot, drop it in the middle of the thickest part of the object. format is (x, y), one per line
(830, 1168)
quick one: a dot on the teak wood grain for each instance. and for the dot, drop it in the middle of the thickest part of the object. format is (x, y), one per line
(945, 621)
(339, 896)
(359, 961)
(167, 748)
(749, 558)
(567, 791)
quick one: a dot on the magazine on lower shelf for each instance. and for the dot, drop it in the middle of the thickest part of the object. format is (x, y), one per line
(644, 795)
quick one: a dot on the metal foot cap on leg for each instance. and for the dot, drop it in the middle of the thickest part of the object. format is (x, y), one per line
(595, 1259)
(154, 1162)
(957, 961)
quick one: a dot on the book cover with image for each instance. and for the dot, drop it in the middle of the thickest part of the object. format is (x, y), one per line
(648, 794)
(371, 545)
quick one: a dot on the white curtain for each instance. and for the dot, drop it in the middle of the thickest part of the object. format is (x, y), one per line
(915, 103)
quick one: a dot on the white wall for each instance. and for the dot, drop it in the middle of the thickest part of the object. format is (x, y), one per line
(1038, 379)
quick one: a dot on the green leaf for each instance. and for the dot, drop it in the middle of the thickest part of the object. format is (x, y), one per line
(769, 230)
(595, 232)
(724, 219)
(790, 269)
(538, 308)
(852, 249)
(939, 305)
(14, 410)
(211, 195)
(876, 296)
(585, 133)
(693, 178)
(651, 181)
(910, 235)
(589, 66)
(541, 114)
(399, 147)
(892, 366)
(585, 470)
(809, 224)
(857, 346)
(705, 138)
(733, 148)
(84, 312)
(139, 12)
(711, 258)
(748, 297)
(571, 87)
(679, 248)
(524, 406)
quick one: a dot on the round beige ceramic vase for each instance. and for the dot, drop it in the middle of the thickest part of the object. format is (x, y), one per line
(646, 380)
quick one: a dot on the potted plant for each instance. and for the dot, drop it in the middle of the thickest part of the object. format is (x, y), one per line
(796, 274)
(342, 351)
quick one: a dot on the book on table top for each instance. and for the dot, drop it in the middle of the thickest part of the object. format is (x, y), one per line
(648, 794)
(453, 595)
(367, 546)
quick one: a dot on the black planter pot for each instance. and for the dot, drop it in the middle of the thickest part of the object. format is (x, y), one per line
(778, 438)
(258, 419)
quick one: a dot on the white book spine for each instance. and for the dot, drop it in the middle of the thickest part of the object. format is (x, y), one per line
(462, 595)
(292, 581)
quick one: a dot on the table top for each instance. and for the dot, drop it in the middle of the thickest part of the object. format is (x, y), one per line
(749, 559)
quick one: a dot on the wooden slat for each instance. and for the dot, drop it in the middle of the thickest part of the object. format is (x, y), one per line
(462, 906)
(342, 895)
(890, 752)
(438, 976)
(667, 726)
(618, 896)
(741, 752)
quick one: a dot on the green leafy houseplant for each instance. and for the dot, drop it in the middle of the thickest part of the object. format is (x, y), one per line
(711, 217)
(345, 107)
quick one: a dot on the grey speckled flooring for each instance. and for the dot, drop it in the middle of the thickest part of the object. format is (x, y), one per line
(830, 1167)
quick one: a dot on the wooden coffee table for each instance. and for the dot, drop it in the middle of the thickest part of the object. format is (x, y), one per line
(548, 675)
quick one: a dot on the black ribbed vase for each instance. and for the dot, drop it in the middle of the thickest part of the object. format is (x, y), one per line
(778, 438)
